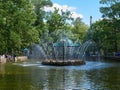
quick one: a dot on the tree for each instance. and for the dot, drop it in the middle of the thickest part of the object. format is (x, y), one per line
(56, 20)
(79, 28)
(111, 8)
(40, 14)
(102, 34)
(16, 21)
(111, 11)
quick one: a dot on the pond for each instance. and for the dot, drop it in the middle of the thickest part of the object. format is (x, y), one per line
(34, 76)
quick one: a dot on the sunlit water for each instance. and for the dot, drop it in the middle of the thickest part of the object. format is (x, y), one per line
(34, 76)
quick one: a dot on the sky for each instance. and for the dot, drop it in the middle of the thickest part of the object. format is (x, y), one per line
(81, 8)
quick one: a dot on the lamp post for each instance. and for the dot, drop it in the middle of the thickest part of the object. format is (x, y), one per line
(90, 29)
(90, 21)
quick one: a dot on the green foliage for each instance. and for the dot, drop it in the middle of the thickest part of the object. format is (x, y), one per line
(106, 32)
(56, 21)
(79, 29)
(40, 14)
(102, 34)
(59, 22)
(110, 9)
(16, 21)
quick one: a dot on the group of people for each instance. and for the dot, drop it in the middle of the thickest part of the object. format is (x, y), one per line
(8, 57)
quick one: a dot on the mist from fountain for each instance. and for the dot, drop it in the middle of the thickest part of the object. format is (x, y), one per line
(84, 47)
(37, 52)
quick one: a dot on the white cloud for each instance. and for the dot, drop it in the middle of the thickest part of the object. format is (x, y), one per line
(75, 15)
(64, 8)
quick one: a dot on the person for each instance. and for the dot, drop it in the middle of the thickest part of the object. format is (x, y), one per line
(13, 57)
(7, 57)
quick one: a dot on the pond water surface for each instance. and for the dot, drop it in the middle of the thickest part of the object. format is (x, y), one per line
(34, 76)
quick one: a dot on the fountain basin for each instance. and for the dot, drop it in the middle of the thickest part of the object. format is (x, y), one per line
(63, 63)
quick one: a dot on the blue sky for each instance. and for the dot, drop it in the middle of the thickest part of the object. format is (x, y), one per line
(86, 8)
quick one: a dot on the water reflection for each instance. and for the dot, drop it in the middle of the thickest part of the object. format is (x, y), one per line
(2, 69)
(60, 78)
(34, 76)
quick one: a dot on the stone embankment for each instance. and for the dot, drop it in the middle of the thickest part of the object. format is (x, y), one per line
(21, 58)
(16, 59)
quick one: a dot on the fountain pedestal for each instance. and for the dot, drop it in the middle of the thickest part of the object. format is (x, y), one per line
(63, 63)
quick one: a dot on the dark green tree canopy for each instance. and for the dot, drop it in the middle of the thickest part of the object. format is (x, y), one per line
(111, 8)
(16, 19)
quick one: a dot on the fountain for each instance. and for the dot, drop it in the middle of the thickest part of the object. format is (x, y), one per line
(63, 52)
